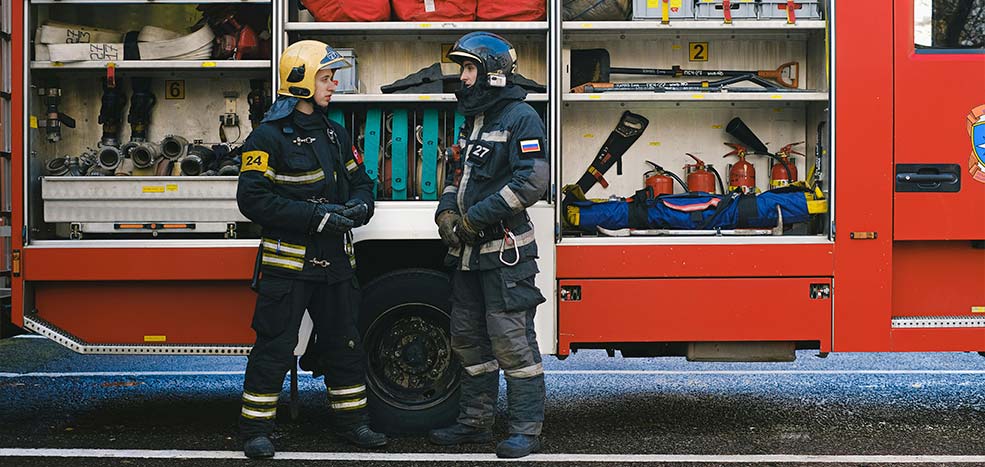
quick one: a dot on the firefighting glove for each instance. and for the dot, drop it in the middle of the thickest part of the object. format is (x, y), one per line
(328, 218)
(356, 211)
(446, 221)
(467, 231)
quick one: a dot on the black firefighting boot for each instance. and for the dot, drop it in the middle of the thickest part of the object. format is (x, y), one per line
(518, 445)
(459, 434)
(258, 447)
(362, 436)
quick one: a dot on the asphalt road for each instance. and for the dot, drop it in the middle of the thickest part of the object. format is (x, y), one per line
(847, 409)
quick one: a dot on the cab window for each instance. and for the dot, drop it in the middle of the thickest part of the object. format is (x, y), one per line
(949, 26)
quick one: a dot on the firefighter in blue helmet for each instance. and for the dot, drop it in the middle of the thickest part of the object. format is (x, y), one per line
(303, 182)
(483, 220)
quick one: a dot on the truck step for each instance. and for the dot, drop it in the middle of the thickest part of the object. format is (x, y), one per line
(938, 322)
(44, 328)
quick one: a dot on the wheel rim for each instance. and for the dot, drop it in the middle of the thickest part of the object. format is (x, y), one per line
(409, 357)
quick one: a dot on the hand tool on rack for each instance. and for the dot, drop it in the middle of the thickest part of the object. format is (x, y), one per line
(51, 96)
(593, 66)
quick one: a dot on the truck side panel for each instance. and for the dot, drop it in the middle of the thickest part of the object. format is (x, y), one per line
(863, 172)
(939, 228)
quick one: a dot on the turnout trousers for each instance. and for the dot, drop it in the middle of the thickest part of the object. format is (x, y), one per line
(280, 307)
(492, 328)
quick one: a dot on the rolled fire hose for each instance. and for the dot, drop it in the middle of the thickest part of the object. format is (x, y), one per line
(199, 160)
(125, 168)
(194, 46)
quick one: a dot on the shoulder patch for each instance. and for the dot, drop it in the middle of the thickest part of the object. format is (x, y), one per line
(255, 160)
(530, 148)
(355, 154)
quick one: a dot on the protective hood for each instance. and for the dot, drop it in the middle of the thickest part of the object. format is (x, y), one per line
(282, 107)
(482, 97)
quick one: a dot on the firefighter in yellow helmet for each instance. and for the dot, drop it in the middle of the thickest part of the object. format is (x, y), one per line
(303, 182)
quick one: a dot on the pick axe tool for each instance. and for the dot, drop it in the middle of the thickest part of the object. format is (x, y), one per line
(592, 65)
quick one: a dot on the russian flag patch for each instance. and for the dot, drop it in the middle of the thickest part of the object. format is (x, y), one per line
(530, 145)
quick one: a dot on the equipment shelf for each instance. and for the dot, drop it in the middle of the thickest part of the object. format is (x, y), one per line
(422, 98)
(706, 240)
(691, 96)
(777, 27)
(184, 65)
(137, 2)
(161, 199)
(390, 27)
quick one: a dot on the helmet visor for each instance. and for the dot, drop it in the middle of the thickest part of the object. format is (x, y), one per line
(333, 60)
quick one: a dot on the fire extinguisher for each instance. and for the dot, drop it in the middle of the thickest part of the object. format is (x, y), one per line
(784, 171)
(660, 181)
(701, 177)
(742, 175)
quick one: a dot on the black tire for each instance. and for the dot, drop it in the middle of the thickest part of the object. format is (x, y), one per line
(410, 370)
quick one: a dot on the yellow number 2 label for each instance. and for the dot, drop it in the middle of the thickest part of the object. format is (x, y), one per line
(699, 51)
(255, 160)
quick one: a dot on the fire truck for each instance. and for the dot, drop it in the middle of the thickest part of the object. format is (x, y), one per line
(888, 98)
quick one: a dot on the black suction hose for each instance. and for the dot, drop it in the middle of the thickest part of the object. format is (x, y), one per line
(718, 176)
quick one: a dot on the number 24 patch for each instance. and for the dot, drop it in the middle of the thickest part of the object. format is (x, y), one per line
(255, 160)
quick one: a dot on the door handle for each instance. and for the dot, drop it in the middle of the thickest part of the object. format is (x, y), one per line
(928, 178)
(925, 178)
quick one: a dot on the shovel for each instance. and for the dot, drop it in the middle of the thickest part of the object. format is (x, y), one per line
(592, 66)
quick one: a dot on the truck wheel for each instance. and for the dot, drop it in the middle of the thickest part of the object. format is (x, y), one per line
(411, 373)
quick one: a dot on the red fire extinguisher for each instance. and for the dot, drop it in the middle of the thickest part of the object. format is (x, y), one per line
(699, 178)
(742, 176)
(784, 171)
(661, 181)
(657, 180)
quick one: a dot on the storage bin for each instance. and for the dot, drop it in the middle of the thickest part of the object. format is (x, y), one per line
(648, 10)
(777, 9)
(715, 9)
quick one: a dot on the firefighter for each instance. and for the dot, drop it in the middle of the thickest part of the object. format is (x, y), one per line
(303, 182)
(483, 220)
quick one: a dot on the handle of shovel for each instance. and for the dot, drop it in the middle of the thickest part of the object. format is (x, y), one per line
(787, 75)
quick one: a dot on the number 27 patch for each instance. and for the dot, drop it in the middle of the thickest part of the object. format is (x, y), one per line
(255, 160)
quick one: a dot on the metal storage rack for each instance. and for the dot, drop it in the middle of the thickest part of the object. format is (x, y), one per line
(388, 51)
(66, 207)
(691, 121)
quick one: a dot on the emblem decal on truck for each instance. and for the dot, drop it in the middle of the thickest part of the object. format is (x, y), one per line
(976, 129)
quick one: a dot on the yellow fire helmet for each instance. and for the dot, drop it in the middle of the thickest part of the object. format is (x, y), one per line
(300, 62)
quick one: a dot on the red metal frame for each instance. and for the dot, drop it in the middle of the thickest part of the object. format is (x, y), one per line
(172, 312)
(18, 119)
(938, 279)
(693, 310)
(677, 261)
(936, 269)
(863, 176)
(138, 264)
(951, 85)
(633, 293)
